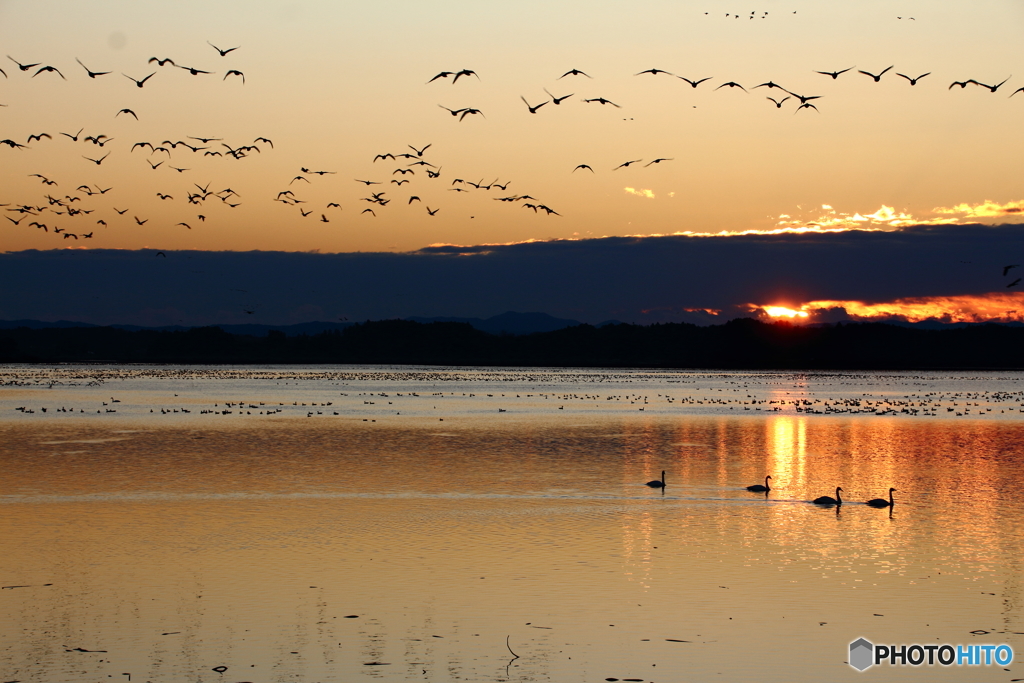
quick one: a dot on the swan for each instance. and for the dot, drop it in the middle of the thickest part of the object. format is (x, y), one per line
(757, 487)
(882, 502)
(658, 483)
(829, 500)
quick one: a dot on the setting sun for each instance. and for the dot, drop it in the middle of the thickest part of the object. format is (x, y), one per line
(782, 312)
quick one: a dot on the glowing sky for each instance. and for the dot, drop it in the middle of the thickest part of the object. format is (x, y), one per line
(333, 84)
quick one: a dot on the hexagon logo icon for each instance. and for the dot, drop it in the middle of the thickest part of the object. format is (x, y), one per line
(861, 654)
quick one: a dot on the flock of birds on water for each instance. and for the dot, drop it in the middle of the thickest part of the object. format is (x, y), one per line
(63, 205)
(766, 488)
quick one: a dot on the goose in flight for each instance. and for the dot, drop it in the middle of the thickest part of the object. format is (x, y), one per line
(993, 88)
(627, 164)
(23, 67)
(695, 83)
(558, 100)
(533, 110)
(53, 69)
(570, 72)
(601, 100)
(731, 84)
(658, 161)
(234, 72)
(778, 103)
(97, 161)
(223, 53)
(834, 74)
(655, 72)
(913, 81)
(138, 82)
(583, 166)
(92, 74)
(879, 76)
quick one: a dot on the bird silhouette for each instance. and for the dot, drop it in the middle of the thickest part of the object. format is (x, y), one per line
(194, 71)
(23, 67)
(1014, 283)
(432, 211)
(778, 103)
(731, 84)
(627, 164)
(419, 152)
(234, 72)
(443, 74)
(993, 88)
(464, 72)
(583, 166)
(185, 224)
(97, 161)
(913, 81)
(138, 82)
(53, 69)
(467, 112)
(74, 138)
(161, 62)
(806, 105)
(558, 100)
(38, 136)
(223, 53)
(658, 161)
(140, 222)
(92, 74)
(573, 72)
(694, 84)
(879, 76)
(127, 111)
(835, 74)
(1007, 269)
(533, 110)
(601, 100)
(1016, 91)
(962, 84)
(655, 72)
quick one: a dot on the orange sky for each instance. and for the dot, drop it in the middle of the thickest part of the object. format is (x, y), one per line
(334, 84)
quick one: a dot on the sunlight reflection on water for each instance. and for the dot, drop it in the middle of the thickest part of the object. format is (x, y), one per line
(181, 542)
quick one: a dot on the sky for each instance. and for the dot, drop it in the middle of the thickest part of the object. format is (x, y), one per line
(329, 86)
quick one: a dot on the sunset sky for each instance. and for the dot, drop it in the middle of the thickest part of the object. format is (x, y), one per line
(333, 84)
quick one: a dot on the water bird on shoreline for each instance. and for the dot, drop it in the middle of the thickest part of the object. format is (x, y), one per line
(882, 502)
(658, 483)
(758, 487)
(829, 500)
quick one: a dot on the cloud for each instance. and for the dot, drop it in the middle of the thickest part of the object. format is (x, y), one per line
(696, 278)
(646, 194)
(991, 307)
(987, 209)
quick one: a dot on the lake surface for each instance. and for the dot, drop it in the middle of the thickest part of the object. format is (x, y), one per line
(381, 523)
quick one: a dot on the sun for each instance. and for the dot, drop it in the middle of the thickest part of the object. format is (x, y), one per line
(783, 312)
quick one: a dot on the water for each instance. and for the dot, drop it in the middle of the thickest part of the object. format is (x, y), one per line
(421, 534)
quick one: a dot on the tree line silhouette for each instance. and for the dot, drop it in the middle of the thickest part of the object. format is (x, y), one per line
(741, 343)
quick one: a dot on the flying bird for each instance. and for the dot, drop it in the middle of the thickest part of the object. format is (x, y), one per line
(913, 81)
(53, 69)
(185, 224)
(770, 85)
(658, 161)
(583, 166)
(127, 111)
(192, 70)
(11, 143)
(558, 100)
(1007, 269)
(731, 84)
(74, 138)
(962, 84)
(443, 74)
(432, 211)
(806, 105)
(161, 62)
(835, 74)
(138, 82)
(626, 164)
(23, 67)
(140, 222)
(601, 100)
(464, 72)
(467, 112)
(97, 161)
(654, 72)
(453, 112)
(234, 72)
(92, 74)
(223, 53)
(573, 72)
(367, 182)
(39, 136)
(778, 103)
(695, 83)
(879, 76)
(1015, 282)
(1016, 91)
(533, 110)
(419, 152)
(993, 88)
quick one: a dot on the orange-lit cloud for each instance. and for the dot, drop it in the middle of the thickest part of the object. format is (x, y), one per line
(987, 209)
(994, 307)
(646, 194)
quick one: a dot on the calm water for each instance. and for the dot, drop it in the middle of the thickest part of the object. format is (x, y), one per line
(339, 523)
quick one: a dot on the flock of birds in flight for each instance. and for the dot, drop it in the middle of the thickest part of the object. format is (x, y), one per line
(160, 153)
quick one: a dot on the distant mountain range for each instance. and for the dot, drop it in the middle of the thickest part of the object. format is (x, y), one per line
(508, 323)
